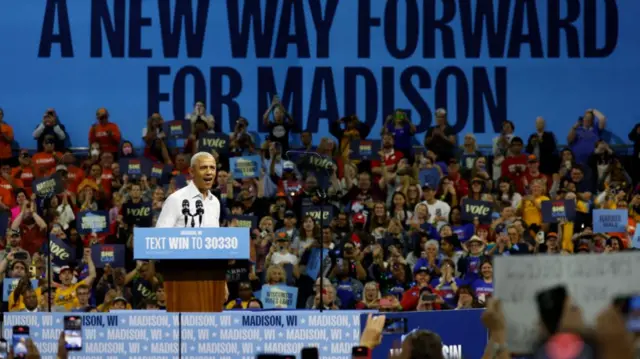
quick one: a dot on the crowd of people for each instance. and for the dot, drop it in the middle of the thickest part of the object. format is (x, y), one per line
(392, 225)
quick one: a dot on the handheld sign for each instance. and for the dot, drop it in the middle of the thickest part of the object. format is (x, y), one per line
(365, 149)
(177, 128)
(137, 214)
(61, 253)
(472, 208)
(610, 220)
(554, 211)
(93, 221)
(191, 243)
(48, 186)
(321, 214)
(244, 221)
(9, 284)
(279, 296)
(214, 141)
(592, 281)
(245, 166)
(112, 254)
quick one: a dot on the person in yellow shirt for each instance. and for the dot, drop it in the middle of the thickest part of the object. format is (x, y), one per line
(530, 208)
(65, 295)
(245, 295)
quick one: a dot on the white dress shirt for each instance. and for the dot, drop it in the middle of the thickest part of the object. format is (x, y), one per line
(171, 214)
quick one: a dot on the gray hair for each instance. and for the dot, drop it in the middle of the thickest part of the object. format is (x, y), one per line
(432, 242)
(197, 156)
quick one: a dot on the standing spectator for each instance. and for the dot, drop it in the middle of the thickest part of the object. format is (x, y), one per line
(25, 170)
(31, 227)
(6, 139)
(50, 127)
(440, 138)
(353, 130)
(282, 123)
(501, 145)
(200, 113)
(45, 161)
(469, 153)
(155, 145)
(585, 134)
(515, 162)
(400, 127)
(543, 145)
(106, 133)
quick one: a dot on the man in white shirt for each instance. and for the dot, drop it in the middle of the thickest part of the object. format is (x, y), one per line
(194, 205)
(181, 208)
(438, 210)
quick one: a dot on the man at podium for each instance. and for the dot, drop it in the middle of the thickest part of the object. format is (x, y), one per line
(194, 205)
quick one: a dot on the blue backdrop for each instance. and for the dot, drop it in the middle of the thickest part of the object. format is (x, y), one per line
(485, 61)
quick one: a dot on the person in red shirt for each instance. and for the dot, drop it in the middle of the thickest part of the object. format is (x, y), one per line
(24, 171)
(7, 181)
(6, 139)
(31, 226)
(533, 173)
(106, 133)
(411, 297)
(459, 183)
(388, 154)
(515, 163)
(45, 162)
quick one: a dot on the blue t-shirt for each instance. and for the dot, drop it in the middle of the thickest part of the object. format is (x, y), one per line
(447, 292)
(344, 291)
(482, 288)
(585, 142)
(430, 176)
(464, 232)
(401, 136)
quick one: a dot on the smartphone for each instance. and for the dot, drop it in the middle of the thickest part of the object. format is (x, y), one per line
(360, 353)
(428, 297)
(19, 339)
(395, 326)
(630, 307)
(20, 256)
(550, 307)
(4, 349)
(309, 353)
(73, 332)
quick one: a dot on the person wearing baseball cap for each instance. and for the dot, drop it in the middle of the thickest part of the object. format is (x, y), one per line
(65, 294)
(410, 298)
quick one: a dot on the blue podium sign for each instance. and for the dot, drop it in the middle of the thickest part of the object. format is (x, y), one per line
(227, 335)
(191, 243)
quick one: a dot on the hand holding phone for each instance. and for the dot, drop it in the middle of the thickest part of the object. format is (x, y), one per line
(73, 333)
(19, 341)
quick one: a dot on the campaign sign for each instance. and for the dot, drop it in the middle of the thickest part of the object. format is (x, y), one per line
(610, 220)
(135, 166)
(218, 142)
(554, 211)
(365, 149)
(279, 296)
(157, 170)
(48, 186)
(233, 334)
(137, 214)
(93, 221)
(61, 252)
(244, 221)
(111, 254)
(458, 341)
(178, 128)
(191, 243)
(245, 166)
(9, 284)
(321, 214)
(472, 208)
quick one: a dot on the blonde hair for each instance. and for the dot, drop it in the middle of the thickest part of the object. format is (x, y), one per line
(273, 269)
(364, 295)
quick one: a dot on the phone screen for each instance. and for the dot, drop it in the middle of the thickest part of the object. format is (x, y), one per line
(19, 341)
(359, 353)
(73, 332)
(395, 326)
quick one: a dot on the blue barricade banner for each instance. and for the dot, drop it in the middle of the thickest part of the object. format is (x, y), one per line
(191, 243)
(9, 284)
(48, 186)
(321, 214)
(610, 220)
(459, 341)
(278, 296)
(244, 221)
(112, 254)
(227, 335)
(93, 221)
(554, 211)
(245, 166)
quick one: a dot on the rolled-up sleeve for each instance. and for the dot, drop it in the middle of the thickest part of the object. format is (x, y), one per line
(169, 213)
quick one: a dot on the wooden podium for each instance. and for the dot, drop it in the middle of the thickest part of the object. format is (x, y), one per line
(193, 262)
(194, 285)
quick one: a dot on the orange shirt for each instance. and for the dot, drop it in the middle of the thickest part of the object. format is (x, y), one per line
(25, 176)
(44, 163)
(75, 175)
(6, 185)
(5, 144)
(100, 133)
(6, 196)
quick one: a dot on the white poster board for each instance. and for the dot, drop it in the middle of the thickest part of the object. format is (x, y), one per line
(592, 280)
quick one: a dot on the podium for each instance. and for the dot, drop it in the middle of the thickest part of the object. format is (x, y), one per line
(193, 262)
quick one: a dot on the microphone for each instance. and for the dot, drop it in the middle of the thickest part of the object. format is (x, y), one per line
(199, 211)
(185, 211)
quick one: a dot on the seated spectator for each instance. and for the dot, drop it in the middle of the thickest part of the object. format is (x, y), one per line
(371, 297)
(411, 297)
(245, 295)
